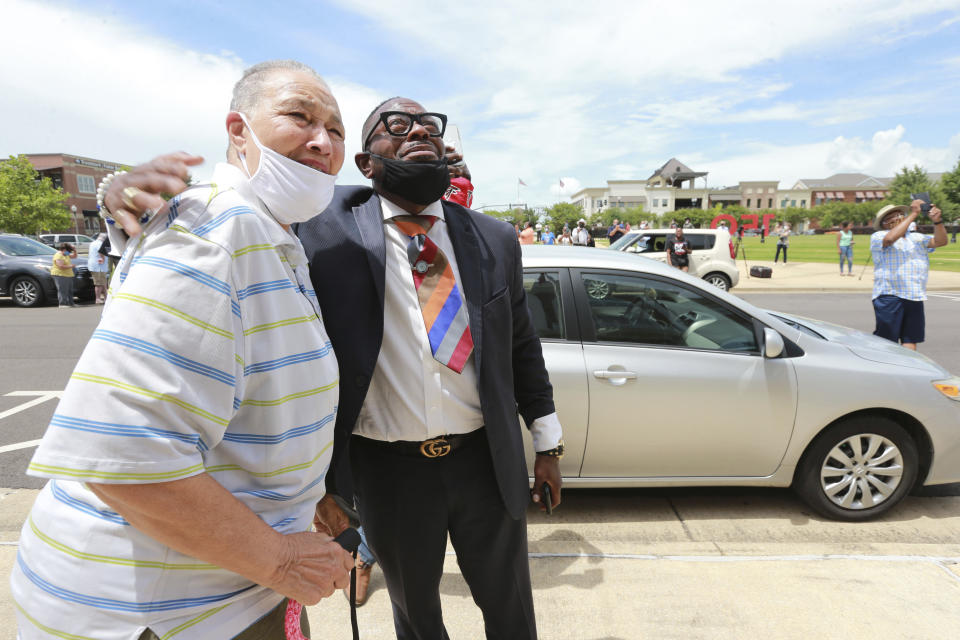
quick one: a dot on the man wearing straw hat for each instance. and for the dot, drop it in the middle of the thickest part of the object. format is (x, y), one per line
(901, 266)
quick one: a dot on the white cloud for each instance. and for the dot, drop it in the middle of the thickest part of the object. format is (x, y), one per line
(116, 92)
(885, 153)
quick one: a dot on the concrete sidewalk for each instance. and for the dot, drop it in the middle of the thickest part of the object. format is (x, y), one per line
(686, 564)
(820, 277)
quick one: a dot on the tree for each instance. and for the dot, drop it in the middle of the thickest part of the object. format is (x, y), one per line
(29, 204)
(916, 180)
(907, 182)
(563, 213)
(950, 187)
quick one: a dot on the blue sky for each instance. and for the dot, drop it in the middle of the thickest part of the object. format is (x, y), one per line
(746, 90)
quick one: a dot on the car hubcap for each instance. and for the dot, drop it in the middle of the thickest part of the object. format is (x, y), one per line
(862, 471)
(25, 292)
(719, 283)
(597, 289)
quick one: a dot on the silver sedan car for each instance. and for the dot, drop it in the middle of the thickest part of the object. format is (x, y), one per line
(663, 380)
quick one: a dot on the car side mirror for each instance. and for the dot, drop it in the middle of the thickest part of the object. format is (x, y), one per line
(772, 343)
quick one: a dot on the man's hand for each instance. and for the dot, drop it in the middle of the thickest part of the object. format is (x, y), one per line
(458, 168)
(547, 469)
(164, 174)
(329, 518)
(935, 215)
(312, 567)
(915, 206)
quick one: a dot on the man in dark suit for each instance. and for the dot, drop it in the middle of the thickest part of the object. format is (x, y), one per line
(430, 450)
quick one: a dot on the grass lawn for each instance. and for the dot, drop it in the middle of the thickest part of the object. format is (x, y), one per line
(823, 248)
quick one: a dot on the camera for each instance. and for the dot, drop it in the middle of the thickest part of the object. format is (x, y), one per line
(926, 206)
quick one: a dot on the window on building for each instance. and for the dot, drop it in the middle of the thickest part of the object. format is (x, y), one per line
(86, 184)
(748, 202)
(793, 203)
(803, 203)
(769, 203)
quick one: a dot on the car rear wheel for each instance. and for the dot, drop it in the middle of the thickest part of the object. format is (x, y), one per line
(858, 469)
(26, 292)
(719, 280)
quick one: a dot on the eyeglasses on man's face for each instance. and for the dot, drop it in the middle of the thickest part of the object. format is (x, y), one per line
(399, 123)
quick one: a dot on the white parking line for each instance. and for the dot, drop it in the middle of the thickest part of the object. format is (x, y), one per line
(949, 296)
(44, 396)
(19, 445)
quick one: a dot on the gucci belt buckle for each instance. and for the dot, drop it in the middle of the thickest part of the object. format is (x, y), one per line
(436, 448)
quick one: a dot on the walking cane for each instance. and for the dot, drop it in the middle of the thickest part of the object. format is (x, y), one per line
(869, 258)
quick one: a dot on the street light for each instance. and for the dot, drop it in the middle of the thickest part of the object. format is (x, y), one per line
(73, 211)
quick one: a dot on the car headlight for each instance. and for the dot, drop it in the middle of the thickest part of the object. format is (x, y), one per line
(949, 388)
(42, 267)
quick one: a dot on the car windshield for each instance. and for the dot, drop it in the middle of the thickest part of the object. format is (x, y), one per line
(623, 241)
(13, 246)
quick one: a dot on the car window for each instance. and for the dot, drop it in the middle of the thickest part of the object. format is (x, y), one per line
(649, 243)
(544, 302)
(701, 241)
(623, 241)
(84, 239)
(10, 246)
(641, 310)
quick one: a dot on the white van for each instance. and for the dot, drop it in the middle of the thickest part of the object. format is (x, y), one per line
(712, 254)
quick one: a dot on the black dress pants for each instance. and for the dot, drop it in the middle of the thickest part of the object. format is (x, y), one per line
(409, 504)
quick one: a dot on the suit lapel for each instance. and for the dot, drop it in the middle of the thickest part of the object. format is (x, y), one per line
(369, 219)
(467, 249)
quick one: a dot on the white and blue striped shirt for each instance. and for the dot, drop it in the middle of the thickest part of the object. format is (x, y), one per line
(210, 357)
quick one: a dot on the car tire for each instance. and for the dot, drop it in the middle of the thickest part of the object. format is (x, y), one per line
(719, 280)
(26, 292)
(840, 482)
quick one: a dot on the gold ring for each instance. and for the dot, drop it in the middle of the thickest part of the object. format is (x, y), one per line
(127, 195)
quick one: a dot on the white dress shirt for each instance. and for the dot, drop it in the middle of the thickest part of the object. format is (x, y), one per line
(412, 396)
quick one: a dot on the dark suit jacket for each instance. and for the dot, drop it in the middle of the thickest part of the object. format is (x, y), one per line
(345, 246)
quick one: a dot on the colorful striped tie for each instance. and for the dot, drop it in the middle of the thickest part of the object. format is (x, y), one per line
(444, 314)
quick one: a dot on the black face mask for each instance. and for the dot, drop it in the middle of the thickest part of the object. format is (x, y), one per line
(418, 182)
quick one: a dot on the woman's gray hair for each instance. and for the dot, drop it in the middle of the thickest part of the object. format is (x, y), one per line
(246, 93)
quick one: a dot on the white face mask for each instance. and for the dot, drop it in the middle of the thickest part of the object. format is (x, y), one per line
(293, 192)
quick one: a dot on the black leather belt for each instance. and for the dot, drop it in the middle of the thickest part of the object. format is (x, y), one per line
(433, 448)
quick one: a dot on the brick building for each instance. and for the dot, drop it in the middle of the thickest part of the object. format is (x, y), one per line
(79, 177)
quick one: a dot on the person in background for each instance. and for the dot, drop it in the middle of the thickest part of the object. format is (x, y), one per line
(616, 231)
(547, 237)
(62, 272)
(783, 242)
(845, 247)
(527, 235)
(99, 267)
(678, 250)
(901, 265)
(539, 228)
(565, 238)
(581, 234)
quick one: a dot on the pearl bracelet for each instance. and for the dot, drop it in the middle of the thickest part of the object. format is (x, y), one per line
(102, 191)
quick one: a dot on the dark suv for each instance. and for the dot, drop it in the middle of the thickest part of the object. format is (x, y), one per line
(25, 273)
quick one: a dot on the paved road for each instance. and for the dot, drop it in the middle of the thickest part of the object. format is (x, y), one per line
(855, 310)
(627, 564)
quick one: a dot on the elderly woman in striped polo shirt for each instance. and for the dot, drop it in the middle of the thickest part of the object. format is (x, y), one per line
(188, 453)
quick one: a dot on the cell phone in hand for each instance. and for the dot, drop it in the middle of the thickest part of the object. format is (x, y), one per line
(925, 196)
(547, 496)
(451, 138)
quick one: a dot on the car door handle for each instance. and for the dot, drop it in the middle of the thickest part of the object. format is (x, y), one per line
(607, 375)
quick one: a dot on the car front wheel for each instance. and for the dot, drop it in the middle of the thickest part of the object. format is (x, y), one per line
(26, 292)
(719, 280)
(858, 469)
